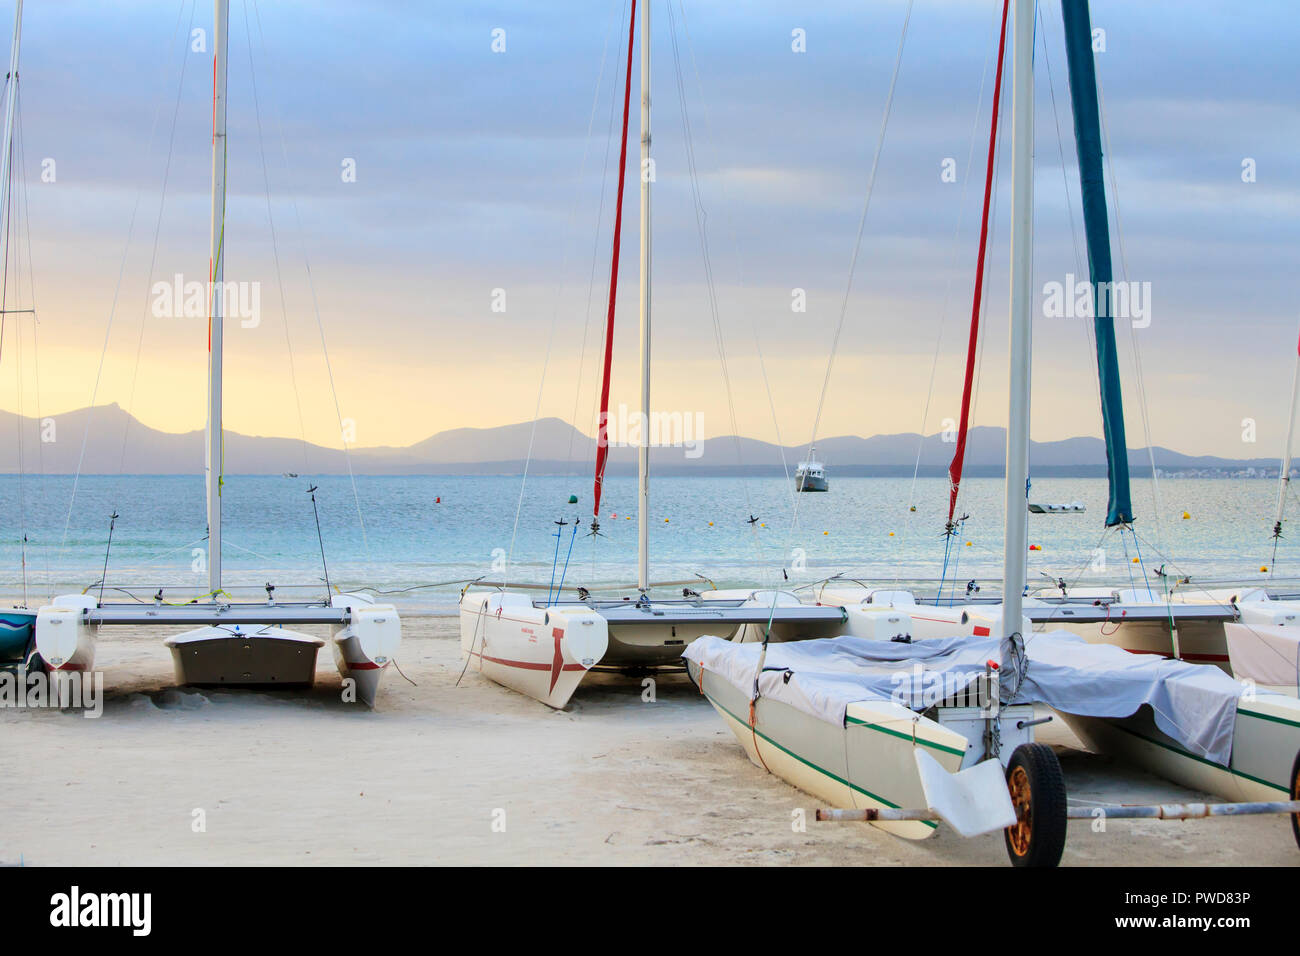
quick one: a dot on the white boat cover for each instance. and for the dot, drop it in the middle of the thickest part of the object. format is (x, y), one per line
(1195, 704)
(1266, 655)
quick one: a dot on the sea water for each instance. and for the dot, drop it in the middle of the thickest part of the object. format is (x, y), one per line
(404, 535)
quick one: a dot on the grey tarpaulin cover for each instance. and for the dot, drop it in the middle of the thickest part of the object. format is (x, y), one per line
(1195, 704)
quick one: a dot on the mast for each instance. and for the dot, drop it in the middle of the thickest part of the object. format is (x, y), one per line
(972, 342)
(602, 438)
(11, 108)
(1284, 478)
(6, 190)
(1092, 191)
(1022, 280)
(643, 450)
(217, 312)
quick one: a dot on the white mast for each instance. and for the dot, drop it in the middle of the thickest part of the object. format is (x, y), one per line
(1022, 263)
(214, 451)
(11, 108)
(1284, 478)
(643, 452)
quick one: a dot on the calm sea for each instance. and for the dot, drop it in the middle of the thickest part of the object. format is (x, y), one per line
(419, 531)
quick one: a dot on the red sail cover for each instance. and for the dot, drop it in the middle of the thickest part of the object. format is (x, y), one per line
(959, 456)
(602, 439)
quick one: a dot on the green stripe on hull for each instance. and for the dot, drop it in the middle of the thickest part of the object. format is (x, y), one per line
(1276, 720)
(808, 763)
(1209, 763)
(894, 733)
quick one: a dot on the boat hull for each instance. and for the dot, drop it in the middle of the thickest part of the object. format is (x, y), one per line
(869, 762)
(17, 630)
(262, 657)
(1265, 742)
(541, 652)
(811, 483)
(365, 646)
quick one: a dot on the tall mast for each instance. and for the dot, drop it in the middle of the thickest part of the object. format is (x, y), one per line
(1284, 478)
(11, 108)
(643, 451)
(217, 266)
(1022, 263)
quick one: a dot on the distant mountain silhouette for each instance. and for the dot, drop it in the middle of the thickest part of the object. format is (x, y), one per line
(117, 442)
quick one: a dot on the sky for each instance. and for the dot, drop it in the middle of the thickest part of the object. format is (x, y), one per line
(484, 176)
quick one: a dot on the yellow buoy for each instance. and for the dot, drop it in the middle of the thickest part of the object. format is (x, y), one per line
(1186, 515)
(1263, 567)
(710, 524)
(891, 534)
(825, 532)
(968, 544)
(665, 521)
(1135, 560)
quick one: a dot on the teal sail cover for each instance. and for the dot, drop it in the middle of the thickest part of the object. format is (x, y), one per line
(1087, 138)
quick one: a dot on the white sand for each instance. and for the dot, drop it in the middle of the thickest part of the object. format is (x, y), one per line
(302, 778)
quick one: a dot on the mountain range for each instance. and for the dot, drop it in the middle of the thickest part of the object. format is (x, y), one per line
(117, 442)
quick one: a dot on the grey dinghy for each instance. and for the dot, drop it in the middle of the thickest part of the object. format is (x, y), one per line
(866, 723)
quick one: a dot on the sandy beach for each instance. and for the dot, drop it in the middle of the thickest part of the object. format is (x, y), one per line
(475, 774)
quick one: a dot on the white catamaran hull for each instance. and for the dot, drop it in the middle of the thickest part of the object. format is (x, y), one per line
(1265, 742)
(66, 644)
(871, 761)
(366, 645)
(542, 652)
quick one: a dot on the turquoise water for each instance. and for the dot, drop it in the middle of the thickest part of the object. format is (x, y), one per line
(411, 539)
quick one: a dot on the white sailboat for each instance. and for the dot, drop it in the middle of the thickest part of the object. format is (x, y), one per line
(847, 719)
(229, 643)
(544, 648)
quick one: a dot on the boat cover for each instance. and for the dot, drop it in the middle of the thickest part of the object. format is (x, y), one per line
(1195, 704)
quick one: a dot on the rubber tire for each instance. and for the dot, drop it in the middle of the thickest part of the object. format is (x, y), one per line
(1047, 806)
(1295, 795)
(33, 663)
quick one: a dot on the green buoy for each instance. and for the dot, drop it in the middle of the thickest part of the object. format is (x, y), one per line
(573, 499)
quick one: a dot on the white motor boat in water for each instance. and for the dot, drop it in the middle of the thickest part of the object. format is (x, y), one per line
(810, 475)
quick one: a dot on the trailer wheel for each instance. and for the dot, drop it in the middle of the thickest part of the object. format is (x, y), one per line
(34, 663)
(1038, 793)
(1295, 795)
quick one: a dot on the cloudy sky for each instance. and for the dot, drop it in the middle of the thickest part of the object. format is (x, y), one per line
(476, 172)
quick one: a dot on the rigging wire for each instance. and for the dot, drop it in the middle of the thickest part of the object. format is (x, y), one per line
(1139, 377)
(130, 233)
(550, 345)
(947, 301)
(857, 243)
(315, 303)
(275, 245)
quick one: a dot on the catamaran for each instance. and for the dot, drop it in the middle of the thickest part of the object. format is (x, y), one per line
(904, 733)
(545, 647)
(229, 643)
